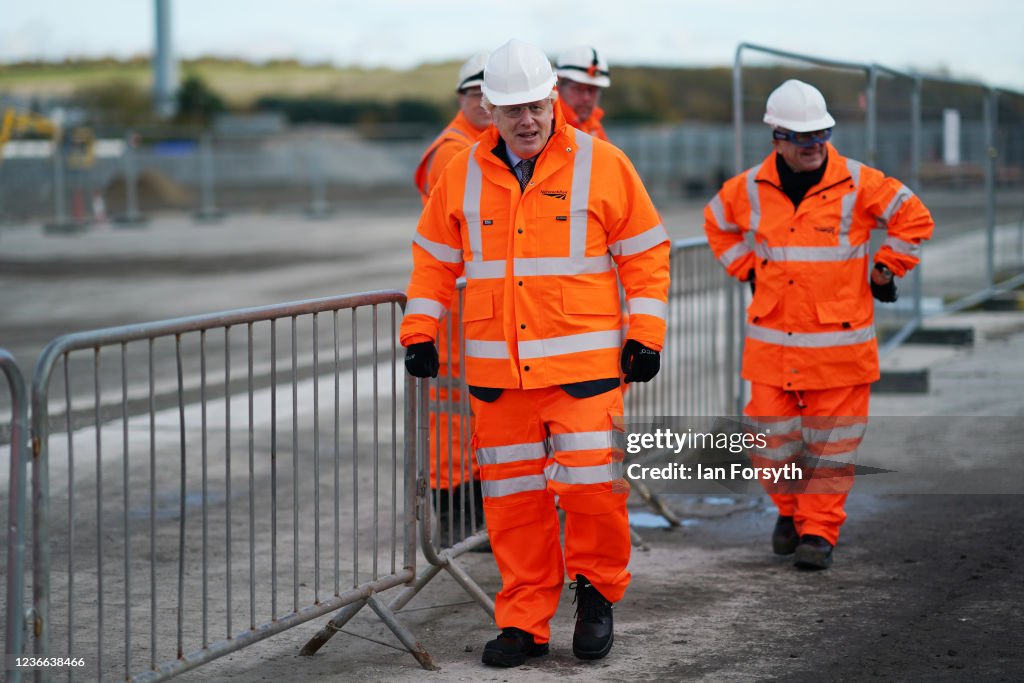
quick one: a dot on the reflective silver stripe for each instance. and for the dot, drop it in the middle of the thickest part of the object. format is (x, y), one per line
(902, 195)
(848, 203)
(593, 474)
(902, 246)
(422, 306)
(499, 455)
(776, 427)
(718, 211)
(647, 306)
(476, 348)
(579, 200)
(556, 265)
(442, 252)
(854, 431)
(573, 343)
(457, 132)
(810, 340)
(783, 452)
(754, 198)
(505, 487)
(737, 251)
(806, 254)
(471, 204)
(639, 243)
(589, 441)
(485, 270)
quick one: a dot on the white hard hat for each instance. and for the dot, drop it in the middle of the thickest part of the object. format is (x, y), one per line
(583, 65)
(517, 73)
(472, 72)
(798, 107)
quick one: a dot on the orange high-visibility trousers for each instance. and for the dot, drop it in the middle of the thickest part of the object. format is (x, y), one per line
(451, 456)
(820, 430)
(534, 445)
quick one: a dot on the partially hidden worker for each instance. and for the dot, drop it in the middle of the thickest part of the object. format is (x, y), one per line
(582, 76)
(454, 472)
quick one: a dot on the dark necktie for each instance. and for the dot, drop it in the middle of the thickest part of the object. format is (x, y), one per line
(525, 172)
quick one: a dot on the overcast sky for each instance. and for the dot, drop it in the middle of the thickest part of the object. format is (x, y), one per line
(981, 39)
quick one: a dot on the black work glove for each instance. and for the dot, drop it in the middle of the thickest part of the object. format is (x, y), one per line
(639, 363)
(421, 360)
(886, 293)
(750, 279)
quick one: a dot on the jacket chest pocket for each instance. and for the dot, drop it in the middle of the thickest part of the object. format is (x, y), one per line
(590, 301)
(479, 305)
(847, 313)
(819, 219)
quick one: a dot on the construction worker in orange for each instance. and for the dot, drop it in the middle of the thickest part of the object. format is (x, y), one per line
(582, 75)
(460, 508)
(810, 352)
(461, 131)
(544, 221)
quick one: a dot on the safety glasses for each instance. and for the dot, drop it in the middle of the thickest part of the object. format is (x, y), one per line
(817, 137)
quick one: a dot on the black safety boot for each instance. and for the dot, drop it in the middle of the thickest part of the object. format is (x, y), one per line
(784, 536)
(814, 552)
(593, 636)
(512, 647)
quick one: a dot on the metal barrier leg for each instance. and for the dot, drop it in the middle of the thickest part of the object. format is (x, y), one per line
(637, 540)
(343, 616)
(408, 593)
(386, 615)
(403, 634)
(655, 503)
(470, 586)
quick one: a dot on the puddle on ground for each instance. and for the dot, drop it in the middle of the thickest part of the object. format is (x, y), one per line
(647, 520)
(718, 500)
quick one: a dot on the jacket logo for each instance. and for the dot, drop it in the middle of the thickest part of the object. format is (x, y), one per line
(557, 194)
(826, 229)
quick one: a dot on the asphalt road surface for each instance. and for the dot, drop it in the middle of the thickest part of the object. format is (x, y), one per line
(926, 586)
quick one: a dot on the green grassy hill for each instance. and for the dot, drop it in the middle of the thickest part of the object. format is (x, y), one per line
(638, 93)
(238, 83)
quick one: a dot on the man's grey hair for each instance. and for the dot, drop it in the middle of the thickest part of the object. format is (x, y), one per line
(489, 106)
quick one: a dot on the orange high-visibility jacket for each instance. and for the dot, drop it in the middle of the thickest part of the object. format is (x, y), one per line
(457, 136)
(542, 303)
(591, 126)
(810, 324)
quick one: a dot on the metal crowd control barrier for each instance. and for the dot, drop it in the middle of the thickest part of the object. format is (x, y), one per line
(17, 504)
(181, 516)
(448, 409)
(699, 359)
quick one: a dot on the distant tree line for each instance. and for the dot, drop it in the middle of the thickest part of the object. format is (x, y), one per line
(318, 109)
(637, 94)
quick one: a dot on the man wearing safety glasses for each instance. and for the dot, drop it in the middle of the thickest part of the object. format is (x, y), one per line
(810, 352)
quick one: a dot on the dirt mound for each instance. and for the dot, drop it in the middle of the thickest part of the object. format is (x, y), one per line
(154, 191)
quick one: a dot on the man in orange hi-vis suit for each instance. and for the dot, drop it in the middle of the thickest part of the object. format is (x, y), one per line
(810, 352)
(582, 75)
(458, 506)
(544, 221)
(461, 131)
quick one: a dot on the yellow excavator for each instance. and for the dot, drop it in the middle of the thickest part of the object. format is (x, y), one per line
(14, 122)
